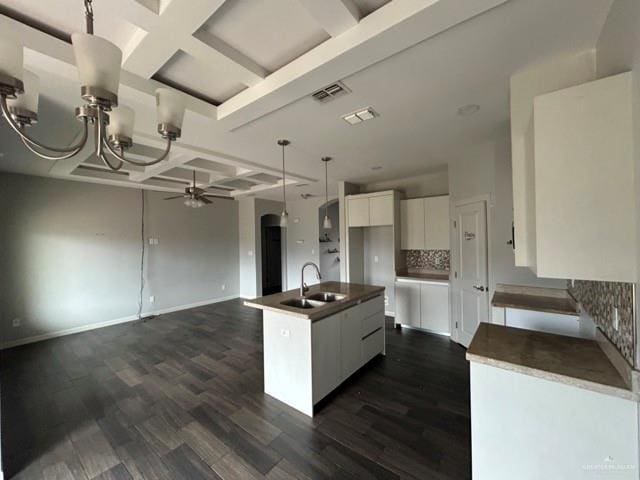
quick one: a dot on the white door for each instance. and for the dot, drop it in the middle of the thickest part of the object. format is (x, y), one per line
(471, 296)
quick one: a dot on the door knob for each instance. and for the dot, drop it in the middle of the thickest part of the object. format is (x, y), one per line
(479, 288)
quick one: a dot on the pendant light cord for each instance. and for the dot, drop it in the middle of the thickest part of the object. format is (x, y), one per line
(284, 193)
(326, 188)
(141, 258)
(88, 16)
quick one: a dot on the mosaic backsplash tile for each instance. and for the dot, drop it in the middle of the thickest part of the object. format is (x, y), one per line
(429, 259)
(598, 299)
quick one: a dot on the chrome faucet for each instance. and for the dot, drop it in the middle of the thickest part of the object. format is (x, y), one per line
(303, 286)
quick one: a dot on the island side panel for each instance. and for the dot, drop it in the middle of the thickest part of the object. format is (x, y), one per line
(287, 360)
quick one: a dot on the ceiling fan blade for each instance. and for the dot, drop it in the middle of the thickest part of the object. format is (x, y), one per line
(224, 197)
(205, 200)
(173, 198)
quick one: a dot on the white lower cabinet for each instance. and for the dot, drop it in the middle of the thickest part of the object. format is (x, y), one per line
(528, 428)
(342, 343)
(423, 305)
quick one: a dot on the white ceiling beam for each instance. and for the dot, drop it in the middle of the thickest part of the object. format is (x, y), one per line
(334, 16)
(210, 50)
(180, 19)
(398, 25)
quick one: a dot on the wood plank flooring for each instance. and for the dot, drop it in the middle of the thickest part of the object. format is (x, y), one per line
(180, 397)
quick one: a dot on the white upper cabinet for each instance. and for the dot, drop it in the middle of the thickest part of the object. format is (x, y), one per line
(412, 219)
(359, 212)
(584, 182)
(436, 222)
(425, 223)
(371, 210)
(560, 73)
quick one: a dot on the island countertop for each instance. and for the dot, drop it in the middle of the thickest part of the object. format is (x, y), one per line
(355, 293)
(573, 361)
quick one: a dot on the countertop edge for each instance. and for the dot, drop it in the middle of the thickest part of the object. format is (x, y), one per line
(531, 309)
(320, 315)
(555, 377)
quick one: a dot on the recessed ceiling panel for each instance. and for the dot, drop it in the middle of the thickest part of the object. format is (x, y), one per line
(67, 16)
(203, 81)
(270, 32)
(238, 184)
(365, 7)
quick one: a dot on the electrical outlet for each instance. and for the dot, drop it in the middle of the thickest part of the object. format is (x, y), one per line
(284, 332)
(313, 251)
(150, 241)
(616, 319)
(376, 259)
(224, 287)
(152, 299)
(17, 322)
(573, 283)
(386, 301)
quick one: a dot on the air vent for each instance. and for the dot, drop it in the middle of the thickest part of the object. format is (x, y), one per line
(360, 116)
(330, 92)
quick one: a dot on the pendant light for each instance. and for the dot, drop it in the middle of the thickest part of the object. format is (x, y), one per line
(284, 216)
(327, 221)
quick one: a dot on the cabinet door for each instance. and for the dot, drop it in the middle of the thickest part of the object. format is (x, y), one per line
(436, 211)
(434, 308)
(325, 361)
(351, 342)
(412, 217)
(359, 212)
(584, 182)
(408, 304)
(381, 210)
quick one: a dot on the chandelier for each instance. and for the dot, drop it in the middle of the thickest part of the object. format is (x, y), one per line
(98, 62)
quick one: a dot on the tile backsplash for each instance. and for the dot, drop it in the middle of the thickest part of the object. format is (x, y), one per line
(428, 259)
(598, 299)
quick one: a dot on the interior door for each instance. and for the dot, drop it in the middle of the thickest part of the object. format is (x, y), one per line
(471, 295)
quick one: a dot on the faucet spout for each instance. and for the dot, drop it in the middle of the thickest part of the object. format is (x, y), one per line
(303, 285)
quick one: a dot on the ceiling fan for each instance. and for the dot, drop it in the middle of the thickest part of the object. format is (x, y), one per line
(195, 197)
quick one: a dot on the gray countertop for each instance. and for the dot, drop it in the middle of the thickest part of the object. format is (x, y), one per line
(574, 361)
(355, 293)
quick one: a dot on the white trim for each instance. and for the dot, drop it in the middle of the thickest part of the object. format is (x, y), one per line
(108, 323)
(389, 314)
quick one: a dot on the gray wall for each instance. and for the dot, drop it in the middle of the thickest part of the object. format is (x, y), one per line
(71, 254)
(329, 264)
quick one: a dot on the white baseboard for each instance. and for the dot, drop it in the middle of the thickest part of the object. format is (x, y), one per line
(108, 323)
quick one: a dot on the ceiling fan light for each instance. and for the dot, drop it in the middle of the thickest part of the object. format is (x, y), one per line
(171, 106)
(11, 59)
(121, 122)
(98, 61)
(327, 223)
(27, 101)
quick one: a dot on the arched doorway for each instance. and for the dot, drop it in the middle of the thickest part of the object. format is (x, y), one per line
(271, 236)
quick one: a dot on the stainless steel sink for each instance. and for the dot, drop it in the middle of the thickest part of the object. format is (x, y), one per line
(326, 297)
(304, 303)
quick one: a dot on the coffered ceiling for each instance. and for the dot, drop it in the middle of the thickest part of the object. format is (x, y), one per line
(247, 69)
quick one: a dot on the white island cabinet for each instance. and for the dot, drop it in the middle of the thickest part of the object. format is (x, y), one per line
(307, 358)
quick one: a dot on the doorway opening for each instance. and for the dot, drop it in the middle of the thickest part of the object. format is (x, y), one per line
(272, 244)
(329, 241)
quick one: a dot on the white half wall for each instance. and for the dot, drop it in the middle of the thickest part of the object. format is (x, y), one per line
(71, 254)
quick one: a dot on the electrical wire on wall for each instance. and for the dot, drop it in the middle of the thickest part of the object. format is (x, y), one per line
(141, 257)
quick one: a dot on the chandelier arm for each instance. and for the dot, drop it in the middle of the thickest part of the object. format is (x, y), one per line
(51, 157)
(105, 160)
(121, 157)
(27, 139)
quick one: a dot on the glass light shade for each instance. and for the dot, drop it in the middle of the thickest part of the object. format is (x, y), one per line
(121, 121)
(11, 59)
(284, 218)
(171, 106)
(188, 202)
(98, 61)
(327, 223)
(29, 99)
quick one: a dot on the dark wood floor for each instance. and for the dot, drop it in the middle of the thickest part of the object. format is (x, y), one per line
(180, 396)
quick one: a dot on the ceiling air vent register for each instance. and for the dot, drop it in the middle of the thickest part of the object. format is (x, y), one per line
(330, 92)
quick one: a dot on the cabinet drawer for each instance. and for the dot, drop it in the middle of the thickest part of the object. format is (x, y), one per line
(372, 306)
(372, 345)
(372, 323)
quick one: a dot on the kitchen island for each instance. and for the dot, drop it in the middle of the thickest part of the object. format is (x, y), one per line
(313, 343)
